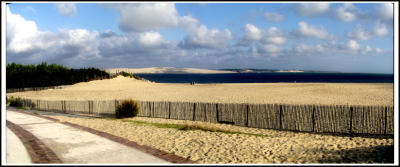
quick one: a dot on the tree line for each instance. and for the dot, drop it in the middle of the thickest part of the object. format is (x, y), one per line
(42, 75)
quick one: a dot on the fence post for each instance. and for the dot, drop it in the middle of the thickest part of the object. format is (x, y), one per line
(386, 111)
(351, 120)
(247, 115)
(62, 106)
(216, 105)
(194, 112)
(280, 116)
(152, 110)
(313, 118)
(169, 110)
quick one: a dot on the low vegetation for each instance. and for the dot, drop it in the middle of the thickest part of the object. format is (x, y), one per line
(126, 74)
(20, 103)
(187, 127)
(14, 102)
(42, 75)
(127, 108)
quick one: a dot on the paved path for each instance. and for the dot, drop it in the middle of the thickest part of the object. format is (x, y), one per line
(73, 145)
(16, 152)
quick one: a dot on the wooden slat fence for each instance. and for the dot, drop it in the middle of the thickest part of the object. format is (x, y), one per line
(305, 118)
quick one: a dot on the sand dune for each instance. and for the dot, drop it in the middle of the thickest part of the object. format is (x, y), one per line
(264, 93)
(169, 70)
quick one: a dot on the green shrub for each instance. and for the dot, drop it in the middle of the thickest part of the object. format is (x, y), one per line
(125, 74)
(19, 102)
(30, 104)
(137, 77)
(128, 108)
(8, 100)
(16, 102)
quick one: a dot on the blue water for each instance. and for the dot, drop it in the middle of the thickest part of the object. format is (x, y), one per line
(270, 77)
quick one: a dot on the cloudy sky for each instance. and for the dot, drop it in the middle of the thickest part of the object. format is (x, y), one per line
(346, 37)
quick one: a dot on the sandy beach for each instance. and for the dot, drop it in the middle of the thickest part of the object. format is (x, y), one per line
(216, 147)
(269, 93)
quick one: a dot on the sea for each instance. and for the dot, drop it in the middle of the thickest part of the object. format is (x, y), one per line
(271, 77)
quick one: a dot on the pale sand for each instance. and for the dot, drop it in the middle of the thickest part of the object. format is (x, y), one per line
(216, 147)
(264, 93)
(153, 70)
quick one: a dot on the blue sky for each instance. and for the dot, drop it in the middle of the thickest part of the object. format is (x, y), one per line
(350, 37)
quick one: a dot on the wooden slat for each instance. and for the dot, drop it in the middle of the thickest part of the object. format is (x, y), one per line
(297, 117)
(264, 116)
(103, 108)
(234, 113)
(161, 109)
(390, 120)
(77, 107)
(145, 109)
(206, 112)
(368, 120)
(333, 118)
(181, 110)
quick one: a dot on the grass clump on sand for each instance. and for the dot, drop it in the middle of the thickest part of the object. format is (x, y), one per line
(128, 108)
(126, 74)
(186, 127)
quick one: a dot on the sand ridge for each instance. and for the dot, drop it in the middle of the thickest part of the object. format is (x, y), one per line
(170, 70)
(256, 93)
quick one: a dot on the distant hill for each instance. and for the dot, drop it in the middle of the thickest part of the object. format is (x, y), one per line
(174, 70)
(251, 70)
(167, 70)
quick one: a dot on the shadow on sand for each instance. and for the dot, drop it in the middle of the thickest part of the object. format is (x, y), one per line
(378, 154)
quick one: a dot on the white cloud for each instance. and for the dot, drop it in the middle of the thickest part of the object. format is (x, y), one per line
(68, 9)
(26, 43)
(136, 48)
(252, 32)
(273, 35)
(368, 48)
(352, 45)
(385, 11)
(199, 36)
(309, 50)
(150, 38)
(347, 12)
(378, 50)
(312, 9)
(20, 32)
(301, 48)
(311, 31)
(380, 30)
(360, 34)
(274, 16)
(269, 49)
(267, 41)
(147, 17)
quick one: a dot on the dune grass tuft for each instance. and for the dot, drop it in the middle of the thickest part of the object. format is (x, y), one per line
(186, 127)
